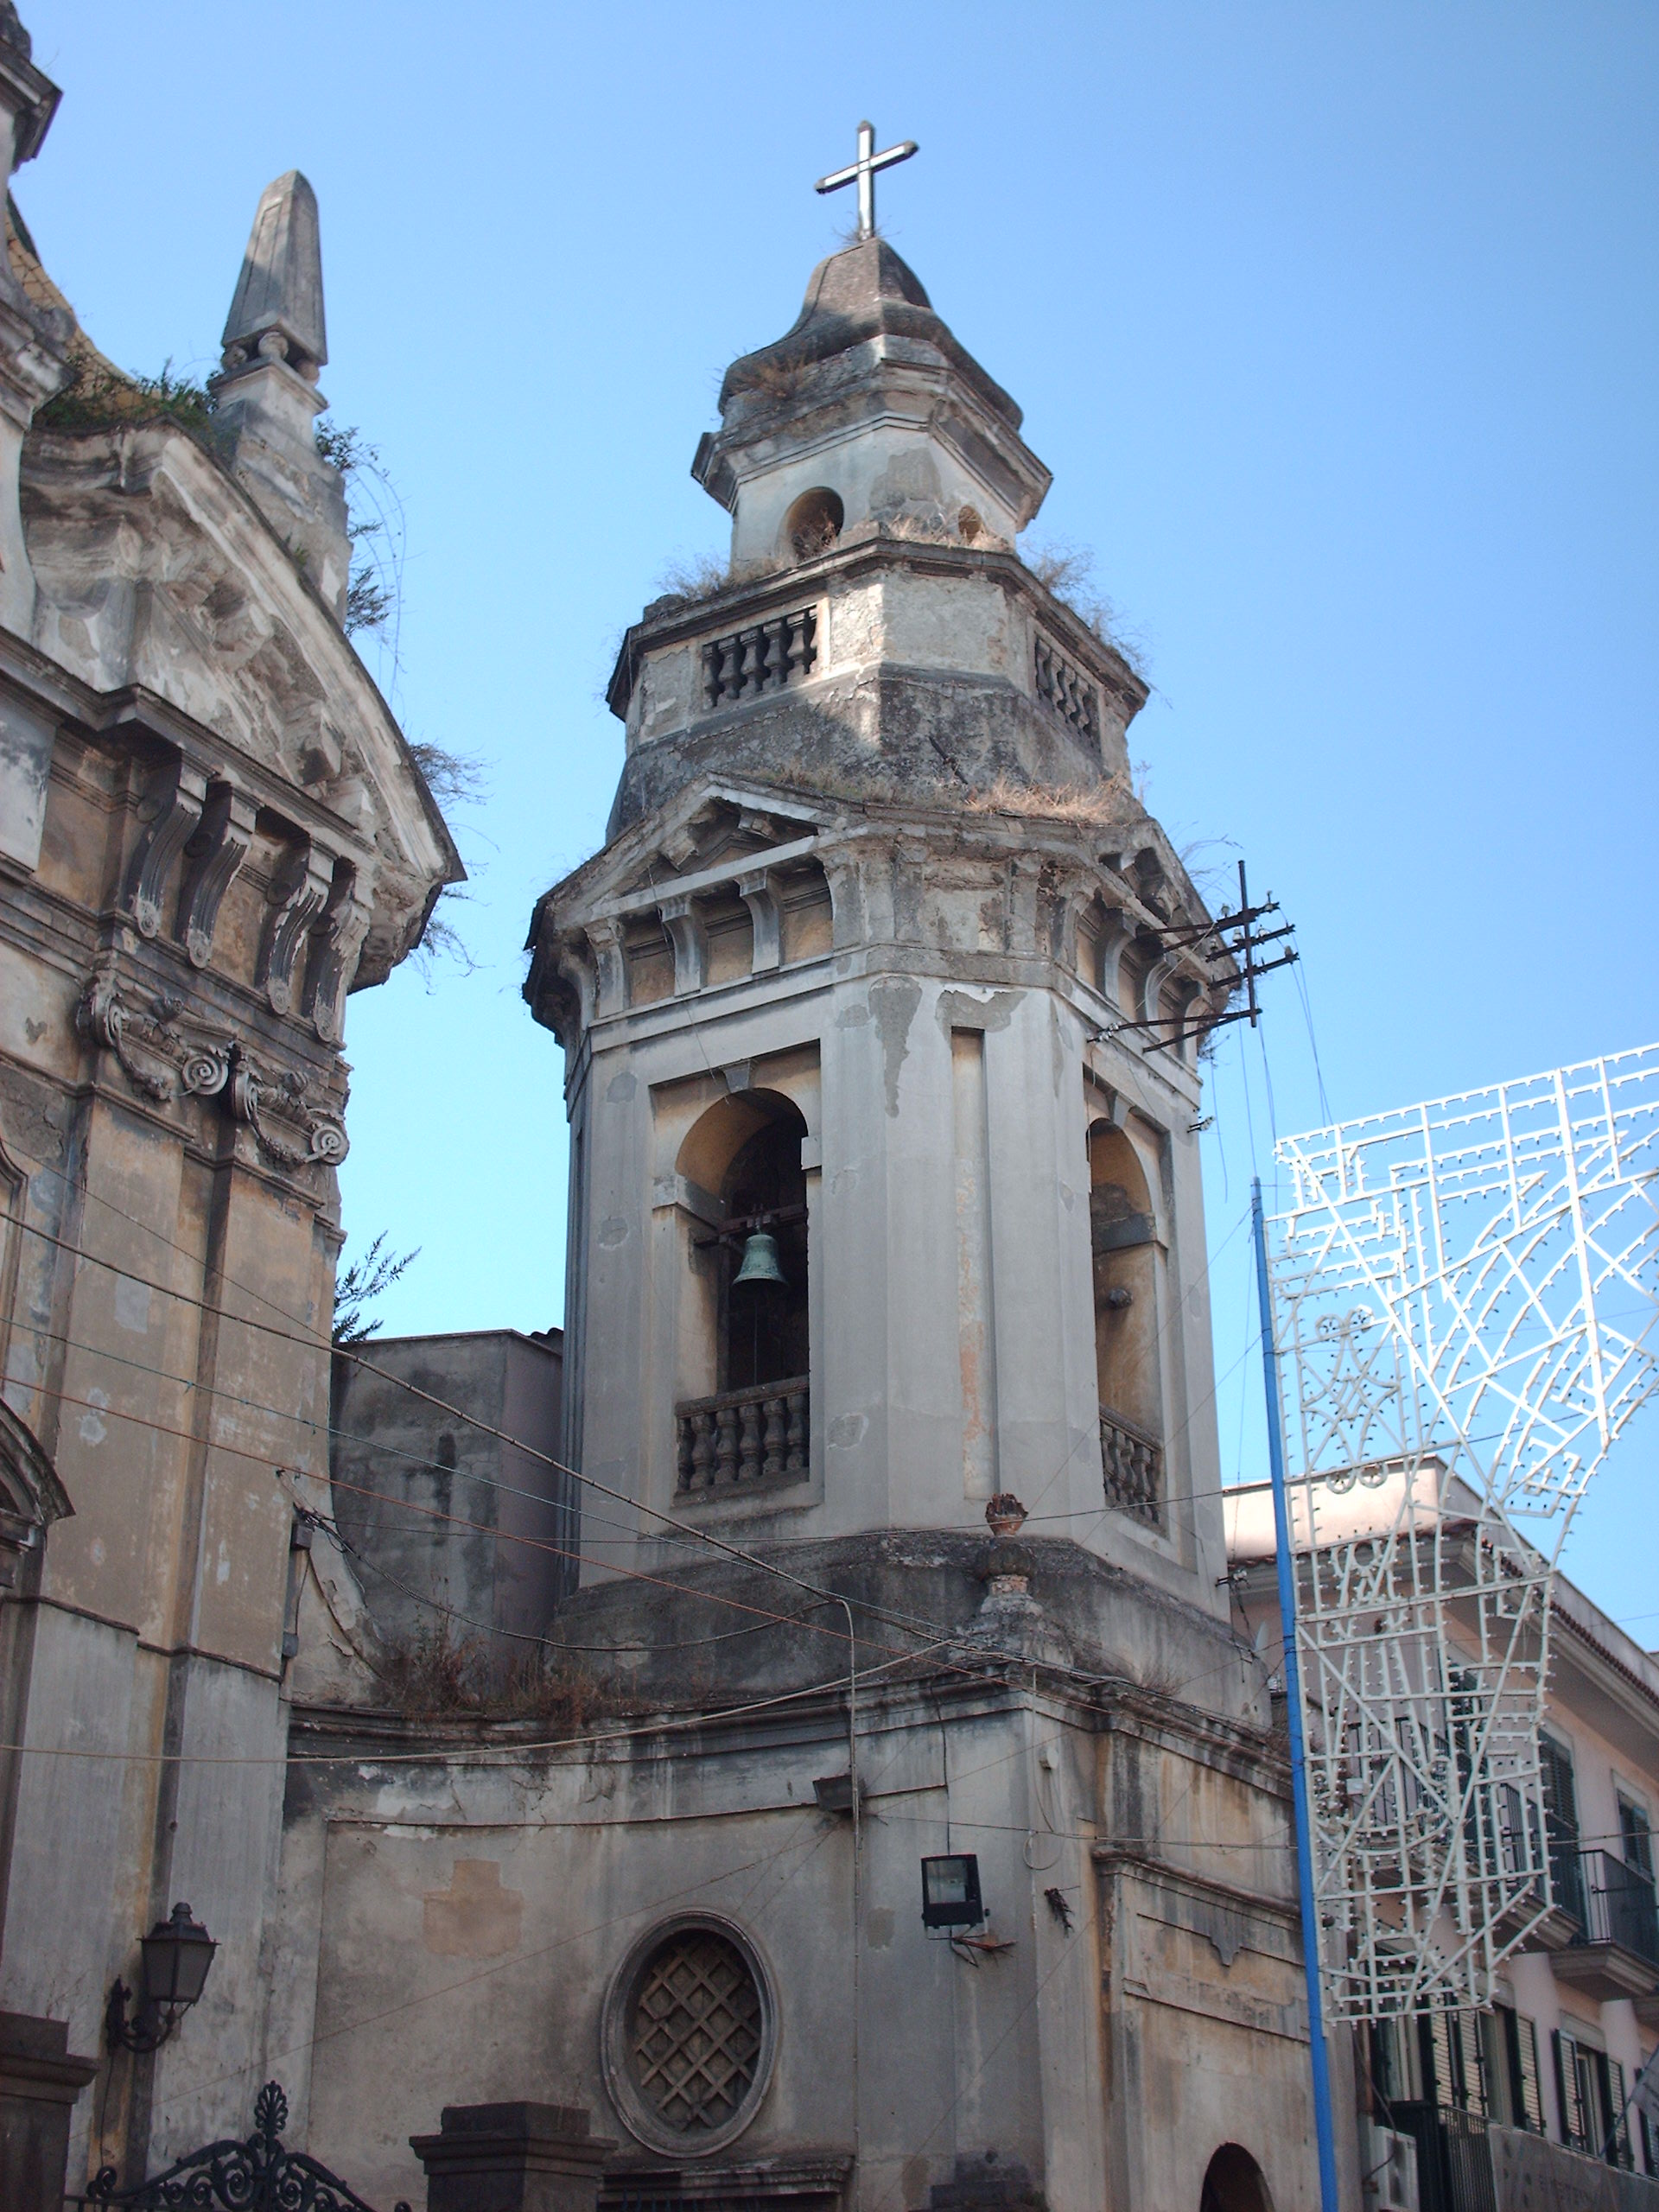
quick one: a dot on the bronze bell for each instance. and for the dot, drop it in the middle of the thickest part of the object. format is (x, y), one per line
(760, 1262)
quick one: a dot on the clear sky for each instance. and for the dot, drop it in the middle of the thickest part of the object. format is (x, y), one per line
(1336, 324)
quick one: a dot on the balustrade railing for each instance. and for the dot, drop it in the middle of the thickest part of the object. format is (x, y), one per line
(1132, 1463)
(742, 1437)
(766, 657)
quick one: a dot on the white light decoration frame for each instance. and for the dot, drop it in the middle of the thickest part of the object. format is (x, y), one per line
(1463, 1296)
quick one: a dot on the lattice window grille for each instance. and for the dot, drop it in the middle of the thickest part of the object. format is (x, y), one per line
(695, 2033)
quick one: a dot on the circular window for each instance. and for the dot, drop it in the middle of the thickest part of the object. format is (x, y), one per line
(689, 2034)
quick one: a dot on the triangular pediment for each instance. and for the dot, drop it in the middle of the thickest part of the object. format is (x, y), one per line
(709, 827)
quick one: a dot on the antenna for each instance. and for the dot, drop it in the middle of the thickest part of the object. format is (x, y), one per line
(1233, 935)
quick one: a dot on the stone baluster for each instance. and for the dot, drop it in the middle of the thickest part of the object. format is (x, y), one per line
(772, 1443)
(726, 1445)
(703, 1449)
(774, 674)
(795, 1439)
(749, 1448)
(748, 680)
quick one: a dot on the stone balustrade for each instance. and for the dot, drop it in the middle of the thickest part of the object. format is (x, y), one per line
(742, 1437)
(767, 656)
(1133, 1463)
(1071, 693)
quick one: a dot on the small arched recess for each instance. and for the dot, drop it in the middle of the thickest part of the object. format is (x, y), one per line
(745, 1352)
(1234, 2183)
(1124, 1256)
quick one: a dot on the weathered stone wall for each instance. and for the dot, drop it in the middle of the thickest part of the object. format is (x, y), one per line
(469, 1919)
(452, 1529)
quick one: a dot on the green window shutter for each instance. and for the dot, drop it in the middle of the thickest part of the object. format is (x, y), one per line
(1443, 2090)
(1530, 2104)
(1473, 2063)
(1618, 2121)
(1569, 2091)
(1637, 1837)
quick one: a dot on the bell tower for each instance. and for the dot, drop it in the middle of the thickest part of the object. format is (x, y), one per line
(879, 1008)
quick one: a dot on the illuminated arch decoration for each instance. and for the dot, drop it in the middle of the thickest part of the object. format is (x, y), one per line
(1464, 1293)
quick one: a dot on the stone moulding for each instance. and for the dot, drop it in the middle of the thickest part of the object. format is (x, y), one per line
(166, 1055)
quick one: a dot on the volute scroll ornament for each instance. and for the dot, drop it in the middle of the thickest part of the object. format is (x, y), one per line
(165, 1063)
(154, 1059)
(287, 1127)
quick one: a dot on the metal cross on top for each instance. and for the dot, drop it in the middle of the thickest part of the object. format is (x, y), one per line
(862, 173)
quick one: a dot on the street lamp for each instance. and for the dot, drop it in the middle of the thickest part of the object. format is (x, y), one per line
(176, 1955)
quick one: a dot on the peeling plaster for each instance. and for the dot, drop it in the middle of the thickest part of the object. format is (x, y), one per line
(892, 1006)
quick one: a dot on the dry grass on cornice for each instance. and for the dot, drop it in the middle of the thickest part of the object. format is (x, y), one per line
(1090, 806)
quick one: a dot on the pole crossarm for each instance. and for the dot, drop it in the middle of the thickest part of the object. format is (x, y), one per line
(1464, 1296)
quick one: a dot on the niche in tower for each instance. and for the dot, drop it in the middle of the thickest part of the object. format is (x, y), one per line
(762, 1323)
(745, 1152)
(1124, 1256)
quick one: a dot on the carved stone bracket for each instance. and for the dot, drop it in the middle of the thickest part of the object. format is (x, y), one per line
(610, 966)
(689, 940)
(179, 792)
(300, 892)
(759, 891)
(336, 942)
(165, 1060)
(215, 853)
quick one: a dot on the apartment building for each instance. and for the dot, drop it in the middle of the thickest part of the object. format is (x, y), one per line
(1527, 2104)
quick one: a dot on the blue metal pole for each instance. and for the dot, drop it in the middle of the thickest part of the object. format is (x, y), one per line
(1317, 2052)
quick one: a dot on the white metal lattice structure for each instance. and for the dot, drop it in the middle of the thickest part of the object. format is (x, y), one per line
(1463, 1296)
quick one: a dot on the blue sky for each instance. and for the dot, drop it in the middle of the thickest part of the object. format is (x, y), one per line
(1335, 323)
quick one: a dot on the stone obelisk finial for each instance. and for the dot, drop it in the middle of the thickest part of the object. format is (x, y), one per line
(276, 341)
(277, 310)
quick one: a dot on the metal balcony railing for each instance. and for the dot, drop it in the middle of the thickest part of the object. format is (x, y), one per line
(1614, 1903)
(740, 1438)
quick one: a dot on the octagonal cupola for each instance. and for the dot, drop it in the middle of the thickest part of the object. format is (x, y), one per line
(868, 413)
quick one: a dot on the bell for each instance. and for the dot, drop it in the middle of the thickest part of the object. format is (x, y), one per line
(760, 1262)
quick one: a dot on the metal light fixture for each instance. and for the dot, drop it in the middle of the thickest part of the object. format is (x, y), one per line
(176, 1955)
(950, 1895)
(760, 1262)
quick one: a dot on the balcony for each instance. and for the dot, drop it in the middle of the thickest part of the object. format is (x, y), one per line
(1132, 1464)
(1614, 1952)
(743, 1440)
(1467, 2163)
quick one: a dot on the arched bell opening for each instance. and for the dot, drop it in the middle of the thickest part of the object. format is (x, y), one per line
(1234, 2183)
(1123, 1253)
(746, 1353)
(763, 1318)
(813, 523)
